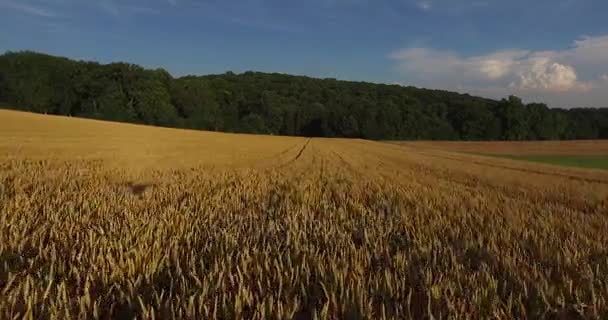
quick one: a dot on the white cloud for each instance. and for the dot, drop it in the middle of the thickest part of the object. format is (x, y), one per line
(498, 65)
(588, 50)
(495, 69)
(579, 69)
(27, 9)
(544, 75)
(425, 5)
(430, 63)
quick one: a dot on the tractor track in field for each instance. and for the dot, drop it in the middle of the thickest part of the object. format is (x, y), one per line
(503, 167)
(298, 156)
(525, 170)
(475, 184)
(302, 150)
(278, 155)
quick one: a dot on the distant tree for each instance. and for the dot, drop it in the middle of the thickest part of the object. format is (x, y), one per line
(196, 102)
(253, 123)
(514, 119)
(257, 102)
(3, 88)
(349, 126)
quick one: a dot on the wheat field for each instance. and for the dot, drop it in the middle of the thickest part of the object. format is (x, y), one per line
(103, 220)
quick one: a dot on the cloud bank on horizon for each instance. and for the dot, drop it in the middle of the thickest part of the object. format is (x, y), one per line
(554, 51)
(522, 72)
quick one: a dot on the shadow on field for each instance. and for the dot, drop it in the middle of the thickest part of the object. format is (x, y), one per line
(138, 189)
(14, 261)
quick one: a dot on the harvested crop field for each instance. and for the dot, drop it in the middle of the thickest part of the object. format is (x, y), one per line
(518, 148)
(592, 154)
(106, 220)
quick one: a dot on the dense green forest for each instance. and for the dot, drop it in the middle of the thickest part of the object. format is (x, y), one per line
(279, 104)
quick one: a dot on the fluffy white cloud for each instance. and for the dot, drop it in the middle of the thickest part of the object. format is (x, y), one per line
(575, 70)
(498, 65)
(543, 74)
(495, 69)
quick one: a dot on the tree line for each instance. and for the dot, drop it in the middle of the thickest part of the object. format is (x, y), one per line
(279, 104)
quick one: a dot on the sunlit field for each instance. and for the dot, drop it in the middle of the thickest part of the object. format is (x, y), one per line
(108, 220)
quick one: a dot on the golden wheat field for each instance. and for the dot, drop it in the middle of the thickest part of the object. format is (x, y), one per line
(103, 220)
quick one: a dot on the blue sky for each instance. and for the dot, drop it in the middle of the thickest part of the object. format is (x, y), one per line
(553, 51)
